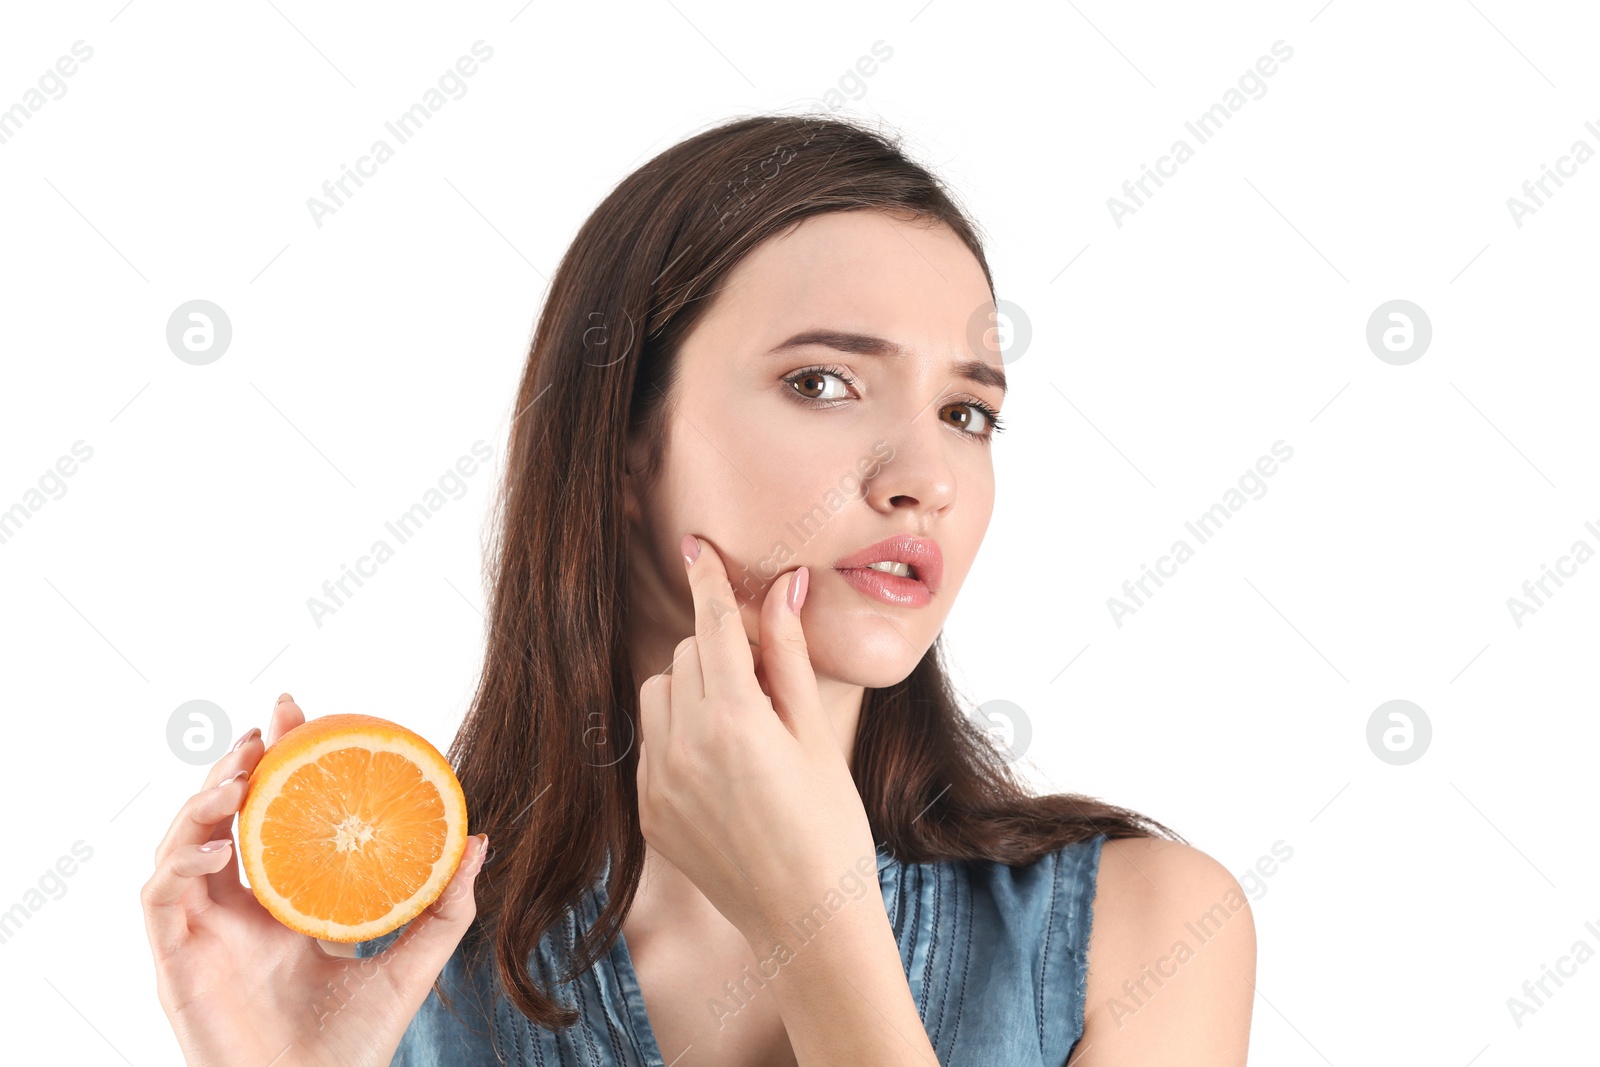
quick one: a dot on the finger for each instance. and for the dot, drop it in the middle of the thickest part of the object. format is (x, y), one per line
(285, 717)
(241, 757)
(786, 660)
(417, 956)
(244, 756)
(727, 666)
(655, 710)
(180, 872)
(655, 698)
(687, 690)
(688, 679)
(247, 752)
(166, 919)
(201, 812)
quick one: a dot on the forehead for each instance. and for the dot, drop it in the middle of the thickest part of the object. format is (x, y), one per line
(913, 282)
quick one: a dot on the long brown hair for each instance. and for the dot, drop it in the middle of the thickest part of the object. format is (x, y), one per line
(546, 754)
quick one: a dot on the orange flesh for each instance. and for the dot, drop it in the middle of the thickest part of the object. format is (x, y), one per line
(353, 834)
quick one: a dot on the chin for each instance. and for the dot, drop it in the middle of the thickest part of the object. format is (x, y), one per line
(877, 660)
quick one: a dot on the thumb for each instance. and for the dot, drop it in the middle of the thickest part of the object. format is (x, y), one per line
(417, 956)
(786, 660)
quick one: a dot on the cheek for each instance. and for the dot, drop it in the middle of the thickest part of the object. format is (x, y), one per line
(746, 486)
(771, 470)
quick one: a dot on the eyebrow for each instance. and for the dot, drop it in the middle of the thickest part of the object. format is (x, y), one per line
(973, 370)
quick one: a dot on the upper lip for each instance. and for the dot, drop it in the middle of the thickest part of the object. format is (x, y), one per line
(920, 552)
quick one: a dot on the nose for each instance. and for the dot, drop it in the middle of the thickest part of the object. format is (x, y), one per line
(916, 473)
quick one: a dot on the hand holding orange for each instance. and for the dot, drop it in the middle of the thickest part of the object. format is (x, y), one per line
(352, 824)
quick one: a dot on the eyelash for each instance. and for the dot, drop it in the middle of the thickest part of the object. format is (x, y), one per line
(996, 424)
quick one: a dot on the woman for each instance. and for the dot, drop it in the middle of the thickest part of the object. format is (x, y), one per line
(749, 471)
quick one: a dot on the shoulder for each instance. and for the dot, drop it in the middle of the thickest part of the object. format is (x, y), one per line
(1171, 957)
(1151, 874)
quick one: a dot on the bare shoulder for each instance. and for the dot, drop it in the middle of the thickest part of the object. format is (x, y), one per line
(1172, 957)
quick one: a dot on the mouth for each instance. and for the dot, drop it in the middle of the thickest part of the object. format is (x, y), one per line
(902, 570)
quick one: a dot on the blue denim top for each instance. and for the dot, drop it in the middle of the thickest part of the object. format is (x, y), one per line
(995, 956)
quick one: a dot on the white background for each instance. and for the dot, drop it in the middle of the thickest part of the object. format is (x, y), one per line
(1166, 356)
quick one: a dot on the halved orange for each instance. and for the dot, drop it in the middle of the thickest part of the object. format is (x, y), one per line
(351, 826)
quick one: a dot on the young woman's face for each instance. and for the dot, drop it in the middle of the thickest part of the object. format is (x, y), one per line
(808, 455)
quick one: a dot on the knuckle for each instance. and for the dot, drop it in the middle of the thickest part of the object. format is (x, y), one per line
(463, 905)
(194, 809)
(793, 644)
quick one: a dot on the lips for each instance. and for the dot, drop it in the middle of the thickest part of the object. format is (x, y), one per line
(921, 553)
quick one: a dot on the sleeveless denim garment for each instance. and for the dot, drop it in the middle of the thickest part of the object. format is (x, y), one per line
(995, 957)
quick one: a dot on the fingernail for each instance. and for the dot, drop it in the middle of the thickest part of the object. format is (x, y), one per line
(232, 778)
(213, 846)
(797, 588)
(283, 697)
(691, 548)
(253, 733)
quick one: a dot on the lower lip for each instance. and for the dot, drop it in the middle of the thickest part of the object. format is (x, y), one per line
(889, 588)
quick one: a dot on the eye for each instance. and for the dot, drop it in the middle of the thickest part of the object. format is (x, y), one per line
(977, 412)
(813, 378)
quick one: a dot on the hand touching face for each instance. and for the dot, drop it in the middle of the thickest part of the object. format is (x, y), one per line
(748, 795)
